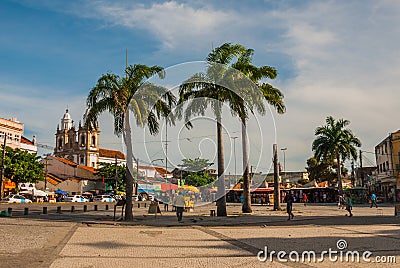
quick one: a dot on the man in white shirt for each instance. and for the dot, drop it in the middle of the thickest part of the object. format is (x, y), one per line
(179, 203)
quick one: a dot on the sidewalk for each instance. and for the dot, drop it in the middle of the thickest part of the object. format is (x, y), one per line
(93, 239)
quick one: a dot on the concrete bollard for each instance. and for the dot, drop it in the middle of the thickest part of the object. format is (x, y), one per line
(95, 207)
(145, 204)
(84, 208)
(72, 209)
(9, 210)
(106, 207)
(26, 211)
(44, 210)
(59, 210)
(138, 205)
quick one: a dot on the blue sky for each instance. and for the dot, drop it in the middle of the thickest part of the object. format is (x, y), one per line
(336, 58)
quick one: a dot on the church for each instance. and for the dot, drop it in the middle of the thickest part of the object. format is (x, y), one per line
(81, 144)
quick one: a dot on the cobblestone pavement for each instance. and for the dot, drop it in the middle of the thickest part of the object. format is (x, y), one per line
(93, 239)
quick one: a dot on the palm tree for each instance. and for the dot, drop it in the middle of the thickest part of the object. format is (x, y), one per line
(251, 95)
(122, 95)
(335, 141)
(210, 88)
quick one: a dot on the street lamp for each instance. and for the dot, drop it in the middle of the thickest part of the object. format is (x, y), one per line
(284, 160)
(2, 166)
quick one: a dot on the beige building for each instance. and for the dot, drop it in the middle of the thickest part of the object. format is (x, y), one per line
(12, 130)
(387, 154)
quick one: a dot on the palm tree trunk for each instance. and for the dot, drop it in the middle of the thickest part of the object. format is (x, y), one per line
(221, 201)
(246, 208)
(339, 171)
(129, 168)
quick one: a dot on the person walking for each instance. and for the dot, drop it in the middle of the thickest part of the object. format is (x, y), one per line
(373, 200)
(179, 203)
(341, 202)
(305, 198)
(289, 205)
(349, 204)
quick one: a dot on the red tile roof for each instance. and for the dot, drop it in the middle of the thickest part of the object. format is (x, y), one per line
(91, 169)
(66, 161)
(26, 141)
(111, 153)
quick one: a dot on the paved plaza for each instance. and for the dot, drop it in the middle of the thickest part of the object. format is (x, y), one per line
(93, 239)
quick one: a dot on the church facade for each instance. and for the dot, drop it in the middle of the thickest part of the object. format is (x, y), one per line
(81, 144)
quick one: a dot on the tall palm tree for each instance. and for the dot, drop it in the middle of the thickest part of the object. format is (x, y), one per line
(210, 88)
(251, 95)
(122, 95)
(335, 141)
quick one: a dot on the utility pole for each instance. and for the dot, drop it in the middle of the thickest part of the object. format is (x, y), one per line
(276, 179)
(362, 171)
(234, 155)
(2, 166)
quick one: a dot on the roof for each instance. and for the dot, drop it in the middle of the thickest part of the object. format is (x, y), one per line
(111, 153)
(66, 161)
(162, 171)
(26, 141)
(53, 179)
(91, 169)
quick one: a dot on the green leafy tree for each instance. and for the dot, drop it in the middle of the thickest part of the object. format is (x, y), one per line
(121, 96)
(21, 166)
(252, 94)
(196, 164)
(335, 141)
(209, 89)
(200, 178)
(114, 176)
(194, 171)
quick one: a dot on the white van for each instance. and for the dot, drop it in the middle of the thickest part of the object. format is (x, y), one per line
(75, 198)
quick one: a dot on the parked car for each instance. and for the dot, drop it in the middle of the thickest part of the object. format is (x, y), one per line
(75, 198)
(135, 198)
(104, 198)
(15, 198)
(150, 197)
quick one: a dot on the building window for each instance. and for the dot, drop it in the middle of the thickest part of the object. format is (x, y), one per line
(387, 165)
(82, 159)
(93, 140)
(83, 140)
(93, 164)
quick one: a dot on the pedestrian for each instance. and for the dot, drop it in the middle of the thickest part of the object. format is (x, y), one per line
(349, 204)
(341, 202)
(373, 200)
(262, 201)
(305, 198)
(267, 199)
(289, 205)
(179, 203)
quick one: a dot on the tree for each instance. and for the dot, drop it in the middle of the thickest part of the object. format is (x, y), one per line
(21, 166)
(210, 89)
(122, 95)
(323, 170)
(251, 95)
(335, 141)
(195, 172)
(108, 171)
(196, 164)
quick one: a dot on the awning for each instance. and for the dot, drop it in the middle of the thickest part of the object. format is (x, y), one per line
(144, 191)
